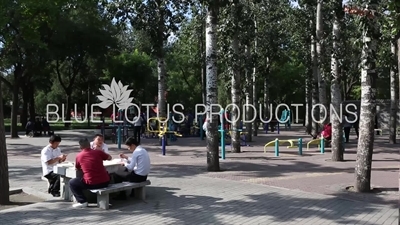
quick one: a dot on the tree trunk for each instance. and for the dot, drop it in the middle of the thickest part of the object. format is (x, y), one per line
(254, 81)
(308, 119)
(14, 113)
(266, 94)
(25, 102)
(235, 91)
(393, 97)
(398, 68)
(315, 99)
(368, 102)
(249, 96)
(212, 85)
(68, 107)
(4, 182)
(32, 111)
(203, 66)
(321, 78)
(162, 87)
(336, 98)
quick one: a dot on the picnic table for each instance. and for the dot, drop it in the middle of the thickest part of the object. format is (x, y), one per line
(67, 172)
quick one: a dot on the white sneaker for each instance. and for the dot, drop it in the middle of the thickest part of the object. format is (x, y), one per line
(80, 205)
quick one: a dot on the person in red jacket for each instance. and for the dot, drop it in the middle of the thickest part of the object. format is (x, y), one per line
(95, 175)
(327, 132)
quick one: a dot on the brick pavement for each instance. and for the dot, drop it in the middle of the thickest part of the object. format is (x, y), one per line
(183, 193)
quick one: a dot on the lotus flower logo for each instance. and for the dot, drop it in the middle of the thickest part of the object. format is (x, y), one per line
(116, 93)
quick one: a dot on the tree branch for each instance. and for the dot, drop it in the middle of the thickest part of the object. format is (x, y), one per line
(59, 75)
(185, 79)
(6, 82)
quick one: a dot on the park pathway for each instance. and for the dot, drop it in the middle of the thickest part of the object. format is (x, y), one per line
(182, 193)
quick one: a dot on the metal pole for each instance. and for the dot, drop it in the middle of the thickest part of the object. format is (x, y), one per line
(163, 148)
(276, 147)
(278, 127)
(102, 126)
(119, 136)
(201, 128)
(322, 145)
(222, 142)
(300, 146)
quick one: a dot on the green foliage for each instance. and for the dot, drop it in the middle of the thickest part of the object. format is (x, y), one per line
(136, 70)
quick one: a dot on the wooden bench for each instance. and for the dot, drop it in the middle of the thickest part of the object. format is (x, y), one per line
(272, 143)
(103, 194)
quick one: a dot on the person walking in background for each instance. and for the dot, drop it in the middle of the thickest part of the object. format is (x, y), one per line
(348, 123)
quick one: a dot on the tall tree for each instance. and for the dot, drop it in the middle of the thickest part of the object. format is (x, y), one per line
(159, 19)
(319, 55)
(394, 102)
(336, 98)
(212, 84)
(4, 182)
(370, 35)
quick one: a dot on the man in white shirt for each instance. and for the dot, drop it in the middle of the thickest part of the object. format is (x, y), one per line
(137, 127)
(50, 156)
(98, 144)
(135, 169)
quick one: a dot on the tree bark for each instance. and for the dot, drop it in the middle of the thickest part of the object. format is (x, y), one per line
(315, 99)
(25, 103)
(368, 101)
(162, 86)
(212, 85)
(14, 111)
(32, 111)
(398, 68)
(321, 78)
(308, 100)
(4, 182)
(266, 93)
(336, 98)
(254, 81)
(203, 65)
(393, 98)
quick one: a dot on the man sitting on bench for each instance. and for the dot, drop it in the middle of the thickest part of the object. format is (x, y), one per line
(95, 175)
(136, 168)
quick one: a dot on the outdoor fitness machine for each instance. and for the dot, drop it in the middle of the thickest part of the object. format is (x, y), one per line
(163, 132)
(291, 142)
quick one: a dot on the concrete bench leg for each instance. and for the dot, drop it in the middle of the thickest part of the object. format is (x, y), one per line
(140, 193)
(103, 201)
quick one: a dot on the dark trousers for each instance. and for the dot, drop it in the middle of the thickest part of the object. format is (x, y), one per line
(136, 132)
(28, 131)
(347, 133)
(77, 186)
(54, 180)
(130, 177)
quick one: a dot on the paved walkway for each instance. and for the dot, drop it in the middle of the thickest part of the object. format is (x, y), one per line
(183, 193)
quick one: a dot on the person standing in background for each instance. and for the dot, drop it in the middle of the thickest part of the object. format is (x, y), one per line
(137, 127)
